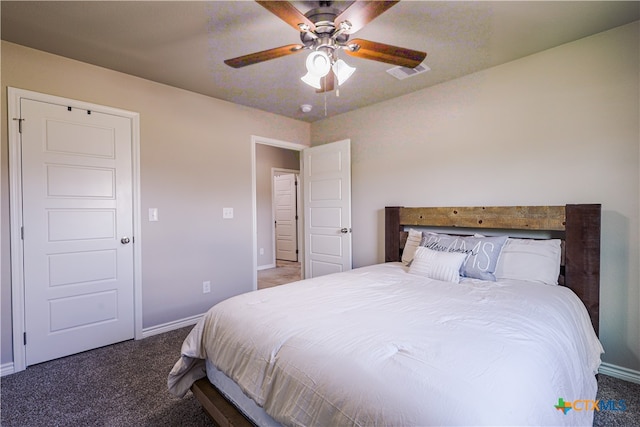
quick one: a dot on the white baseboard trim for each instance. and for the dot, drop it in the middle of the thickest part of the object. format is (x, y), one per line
(620, 372)
(266, 267)
(170, 326)
(6, 369)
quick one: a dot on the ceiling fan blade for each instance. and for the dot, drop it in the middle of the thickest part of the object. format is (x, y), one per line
(288, 13)
(327, 83)
(386, 53)
(265, 55)
(360, 13)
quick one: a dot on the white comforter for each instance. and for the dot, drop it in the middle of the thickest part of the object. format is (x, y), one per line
(379, 346)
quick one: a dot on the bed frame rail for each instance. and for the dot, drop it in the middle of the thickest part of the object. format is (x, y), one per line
(217, 407)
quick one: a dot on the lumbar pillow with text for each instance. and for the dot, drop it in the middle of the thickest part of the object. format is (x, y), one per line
(481, 252)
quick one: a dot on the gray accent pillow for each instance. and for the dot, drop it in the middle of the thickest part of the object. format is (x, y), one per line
(482, 252)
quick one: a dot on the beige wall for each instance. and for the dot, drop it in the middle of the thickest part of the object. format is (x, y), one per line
(195, 160)
(268, 157)
(558, 127)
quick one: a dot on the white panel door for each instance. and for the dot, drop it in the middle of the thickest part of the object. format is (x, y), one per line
(327, 208)
(77, 220)
(284, 196)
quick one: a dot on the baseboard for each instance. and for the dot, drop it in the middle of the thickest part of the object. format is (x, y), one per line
(620, 372)
(170, 326)
(6, 369)
(266, 267)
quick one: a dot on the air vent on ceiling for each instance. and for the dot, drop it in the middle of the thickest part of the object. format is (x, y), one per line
(402, 73)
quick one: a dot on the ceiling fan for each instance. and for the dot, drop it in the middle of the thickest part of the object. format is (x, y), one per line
(325, 30)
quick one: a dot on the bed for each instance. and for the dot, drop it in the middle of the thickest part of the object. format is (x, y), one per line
(399, 344)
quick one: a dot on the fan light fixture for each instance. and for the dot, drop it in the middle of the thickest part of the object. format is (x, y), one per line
(319, 64)
(323, 31)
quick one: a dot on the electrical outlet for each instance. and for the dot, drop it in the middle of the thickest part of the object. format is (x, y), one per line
(206, 287)
(227, 213)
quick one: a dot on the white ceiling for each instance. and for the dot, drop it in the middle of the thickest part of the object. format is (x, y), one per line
(184, 43)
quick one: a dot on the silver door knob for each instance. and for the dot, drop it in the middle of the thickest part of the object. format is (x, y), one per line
(345, 230)
(125, 240)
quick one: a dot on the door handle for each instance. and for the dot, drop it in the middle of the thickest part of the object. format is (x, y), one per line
(125, 240)
(345, 230)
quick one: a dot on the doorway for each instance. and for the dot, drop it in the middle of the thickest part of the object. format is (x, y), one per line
(324, 225)
(269, 155)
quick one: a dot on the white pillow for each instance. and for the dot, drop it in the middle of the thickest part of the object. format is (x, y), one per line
(531, 260)
(437, 265)
(413, 241)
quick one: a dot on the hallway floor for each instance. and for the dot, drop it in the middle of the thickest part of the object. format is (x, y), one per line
(284, 272)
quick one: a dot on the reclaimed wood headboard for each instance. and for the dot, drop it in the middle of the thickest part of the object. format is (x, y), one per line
(578, 226)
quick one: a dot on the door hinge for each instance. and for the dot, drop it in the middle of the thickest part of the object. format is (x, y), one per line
(24, 338)
(20, 124)
(296, 252)
(21, 233)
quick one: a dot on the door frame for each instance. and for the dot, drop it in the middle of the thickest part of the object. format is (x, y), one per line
(254, 193)
(14, 97)
(281, 171)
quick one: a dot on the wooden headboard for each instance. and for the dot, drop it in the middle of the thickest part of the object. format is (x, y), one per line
(578, 226)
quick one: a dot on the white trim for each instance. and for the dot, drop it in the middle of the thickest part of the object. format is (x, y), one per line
(277, 143)
(171, 326)
(137, 226)
(14, 96)
(266, 267)
(254, 224)
(619, 372)
(15, 221)
(6, 369)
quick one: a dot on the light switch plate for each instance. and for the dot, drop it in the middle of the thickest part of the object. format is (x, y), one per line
(227, 213)
(153, 214)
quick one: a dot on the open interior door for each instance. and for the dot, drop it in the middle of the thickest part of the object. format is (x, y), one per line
(327, 208)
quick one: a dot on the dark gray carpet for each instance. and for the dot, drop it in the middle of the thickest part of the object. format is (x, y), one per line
(120, 385)
(125, 385)
(610, 388)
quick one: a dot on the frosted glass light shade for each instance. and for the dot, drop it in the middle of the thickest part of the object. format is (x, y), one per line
(342, 71)
(312, 80)
(318, 63)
